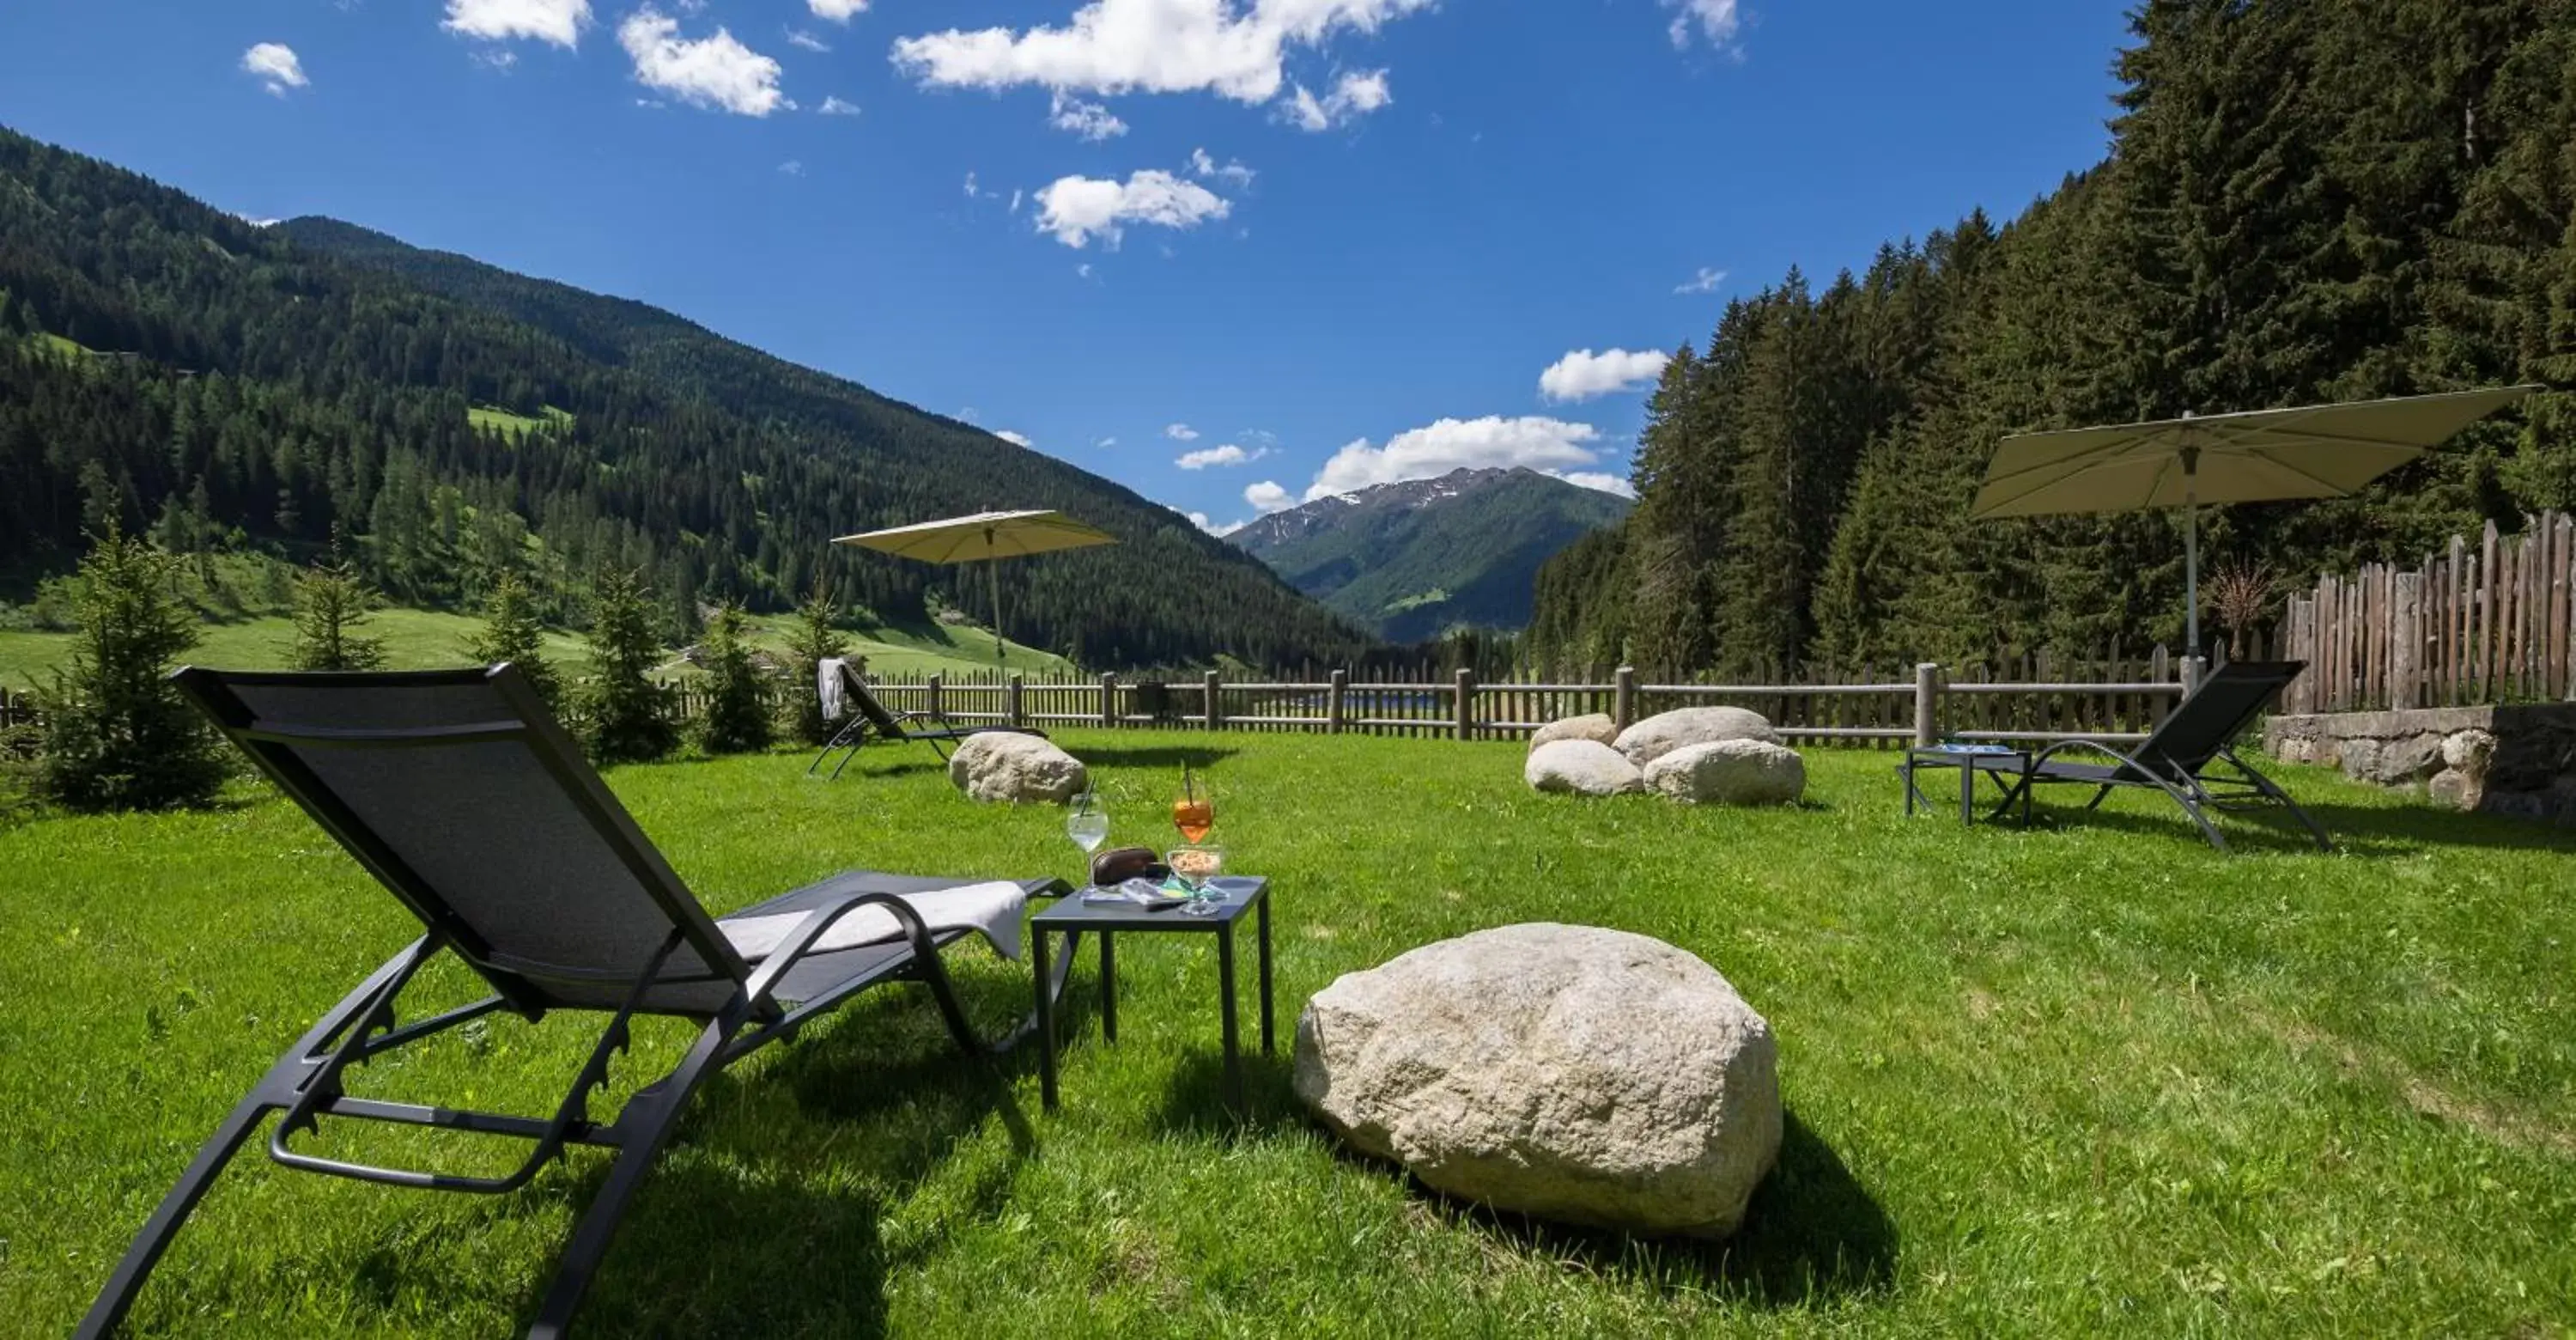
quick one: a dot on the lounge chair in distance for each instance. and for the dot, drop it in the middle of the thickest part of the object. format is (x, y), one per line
(2177, 758)
(458, 791)
(868, 713)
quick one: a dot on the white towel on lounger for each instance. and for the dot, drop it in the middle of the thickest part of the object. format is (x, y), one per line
(992, 908)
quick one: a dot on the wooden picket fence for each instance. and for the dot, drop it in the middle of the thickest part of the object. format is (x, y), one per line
(1870, 706)
(2473, 625)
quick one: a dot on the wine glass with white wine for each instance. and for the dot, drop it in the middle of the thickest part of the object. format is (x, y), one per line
(1086, 821)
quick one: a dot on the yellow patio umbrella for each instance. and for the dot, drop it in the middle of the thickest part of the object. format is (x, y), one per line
(990, 536)
(2267, 455)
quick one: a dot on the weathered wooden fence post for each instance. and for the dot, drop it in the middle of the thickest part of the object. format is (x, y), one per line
(1012, 694)
(933, 707)
(1334, 694)
(1623, 696)
(1927, 704)
(2192, 669)
(1466, 703)
(1108, 700)
(1215, 709)
(2406, 641)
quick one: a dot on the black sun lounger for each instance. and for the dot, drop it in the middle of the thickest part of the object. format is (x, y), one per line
(2180, 758)
(867, 714)
(460, 793)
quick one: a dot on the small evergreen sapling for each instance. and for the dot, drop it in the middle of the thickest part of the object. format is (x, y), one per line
(625, 716)
(737, 715)
(512, 632)
(331, 603)
(116, 735)
(813, 642)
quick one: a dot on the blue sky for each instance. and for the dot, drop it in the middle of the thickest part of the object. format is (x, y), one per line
(1353, 240)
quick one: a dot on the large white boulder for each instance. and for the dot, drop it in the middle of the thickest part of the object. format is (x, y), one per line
(1583, 767)
(1665, 732)
(1598, 727)
(1569, 1072)
(1000, 766)
(1730, 772)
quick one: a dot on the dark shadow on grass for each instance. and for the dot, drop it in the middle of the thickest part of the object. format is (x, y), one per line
(1195, 1100)
(1155, 756)
(2403, 828)
(1811, 1234)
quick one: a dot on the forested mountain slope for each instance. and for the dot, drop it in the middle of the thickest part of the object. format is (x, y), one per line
(450, 420)
(2303, 202)
(1416, 558)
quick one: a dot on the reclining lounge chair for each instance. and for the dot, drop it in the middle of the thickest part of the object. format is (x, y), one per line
(2178, 758)
(866, 713)
(461, 795)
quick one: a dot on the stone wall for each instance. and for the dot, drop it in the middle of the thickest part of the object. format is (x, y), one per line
(2517, 760)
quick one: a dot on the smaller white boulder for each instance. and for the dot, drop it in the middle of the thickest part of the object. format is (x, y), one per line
(1582, 767)
(1598, 728)
(1001, 767)
(1665, 732)
(1730, 772)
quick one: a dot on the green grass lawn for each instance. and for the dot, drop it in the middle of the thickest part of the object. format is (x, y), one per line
(423, 638)
(492, 419)
(2088, 1078)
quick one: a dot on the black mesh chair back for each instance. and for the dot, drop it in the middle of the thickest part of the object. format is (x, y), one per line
(457, 790)
(856, 690)
(2215, 713)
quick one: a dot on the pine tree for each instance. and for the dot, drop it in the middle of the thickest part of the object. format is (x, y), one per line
(512, 632)
(625, 716)
(117, 736)
(814, 641)
(331, 604)
(737, 714)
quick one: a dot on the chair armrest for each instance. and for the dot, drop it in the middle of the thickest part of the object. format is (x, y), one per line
(802, 938)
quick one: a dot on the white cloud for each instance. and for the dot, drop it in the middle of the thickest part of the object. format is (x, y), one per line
(275, 65)
(792, 168)
(798, 37)
(1717, 21)
(1583, 374)
(496, 58)
(838, 11)
(1181, 432)
(1015, 439)
(1706, 281)
(1016, 196)
(1229, 454)
(1267, 497)
(1551, 446)
(1106, 443)
(1605, 483)
(1158, 46)
(716, 72)
(1355, 96)
(1089, 120)
(835, 107)
(1076, 209)
(1220, 529)
(1082, 271)
(556, 21)
(1232, 172)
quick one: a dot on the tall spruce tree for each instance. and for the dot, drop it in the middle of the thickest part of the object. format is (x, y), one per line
(117, 736)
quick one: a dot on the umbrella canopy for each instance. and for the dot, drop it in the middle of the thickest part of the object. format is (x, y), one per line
(985, 535)
(964, 539)
(2269, 455)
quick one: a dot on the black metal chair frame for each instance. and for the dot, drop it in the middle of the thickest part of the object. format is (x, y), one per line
(2157, 763)
(305, 1084)
(870, 714)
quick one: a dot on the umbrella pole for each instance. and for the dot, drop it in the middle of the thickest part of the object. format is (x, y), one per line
(2191, 576)
(993, 566)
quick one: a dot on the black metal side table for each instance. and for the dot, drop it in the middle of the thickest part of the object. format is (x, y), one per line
(1072, 916)
(2005, 765)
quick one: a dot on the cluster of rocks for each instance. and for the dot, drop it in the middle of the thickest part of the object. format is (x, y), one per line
(1695, 756)
(1570, 1072)
(1010, 768)
(2515, 759)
